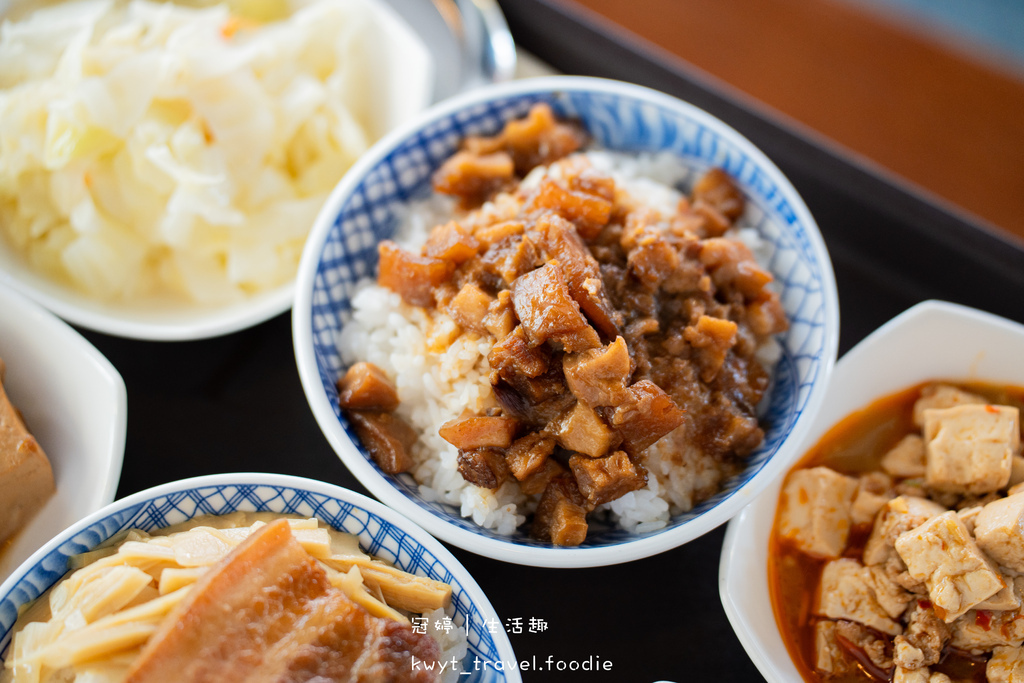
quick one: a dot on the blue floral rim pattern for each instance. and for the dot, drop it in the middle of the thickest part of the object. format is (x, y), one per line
(369, 212)
(377, 535)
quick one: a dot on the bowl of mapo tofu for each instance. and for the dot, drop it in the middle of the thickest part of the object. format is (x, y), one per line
(565, 321)
(892, 550)
(247, 577)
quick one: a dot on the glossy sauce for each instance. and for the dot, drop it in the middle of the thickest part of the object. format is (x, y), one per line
(855, 446)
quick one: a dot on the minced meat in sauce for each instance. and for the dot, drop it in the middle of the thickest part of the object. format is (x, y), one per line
(612, 324)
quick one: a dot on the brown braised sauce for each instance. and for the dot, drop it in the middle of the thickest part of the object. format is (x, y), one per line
(855, 446)
(612, 325)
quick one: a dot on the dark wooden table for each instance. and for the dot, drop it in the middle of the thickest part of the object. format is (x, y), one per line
(235, 403)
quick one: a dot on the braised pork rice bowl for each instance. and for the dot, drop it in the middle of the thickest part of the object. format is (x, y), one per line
(577, 341)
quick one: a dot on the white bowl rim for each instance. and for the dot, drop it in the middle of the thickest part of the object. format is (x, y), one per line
(444, 556)
(738, 536)
(508, 552)
(55, 328)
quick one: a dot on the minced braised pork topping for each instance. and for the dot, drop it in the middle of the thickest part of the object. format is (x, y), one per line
(612, 324)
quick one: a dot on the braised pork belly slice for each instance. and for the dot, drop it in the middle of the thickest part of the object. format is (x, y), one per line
(268, 613)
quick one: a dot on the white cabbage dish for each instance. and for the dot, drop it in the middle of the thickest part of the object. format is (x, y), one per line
(159, 155)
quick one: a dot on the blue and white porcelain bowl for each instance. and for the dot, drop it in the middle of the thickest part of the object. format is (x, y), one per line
(364, 209)
(381, 532)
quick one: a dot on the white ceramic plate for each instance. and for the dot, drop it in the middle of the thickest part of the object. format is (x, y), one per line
(465, 45)
(933, 340)
(74, 403)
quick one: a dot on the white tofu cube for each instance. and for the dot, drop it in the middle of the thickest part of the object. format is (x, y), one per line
(942, 554)
(902, 675)
(939, 396)
(1006, 665)
(969, 516)
(1017, 470)
(846, 591)
(830, 657)
(815, 510)
(873, 491)
(979, 631)
(970, 448)
(922, 675)
(906, 459)
(999, 529)
(1005, 599)
(891, 596)
(898, 515)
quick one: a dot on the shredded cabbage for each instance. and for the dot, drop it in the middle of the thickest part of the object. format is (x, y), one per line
(152, 149)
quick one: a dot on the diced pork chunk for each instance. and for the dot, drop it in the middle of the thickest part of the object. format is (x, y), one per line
(413, 277)
(513, 355)
(386, 436)
(645, 417)
(874, 490)
(940, 396)
(897, 516)
(923, 638)
(528, 454)
(831, 658)
(581, 270)
(815, 510)
(1006, 665)
(561, 514)
(999, 529)
(582, 430)
(846, 592)
(474, 176)
(602, 480)
(469, 308)
(539, 139)
(599, 376)
(907, 458)
(547, 311)
(483, 467)
(26, 478)
(538, 481)
(653, 260)
(712, 338)
(717, 189)
(588, 212)
(970, 448)
(501, 316)
(942, 553)
(732, 265)
(364, 386)
(451, 242)
(472, 431)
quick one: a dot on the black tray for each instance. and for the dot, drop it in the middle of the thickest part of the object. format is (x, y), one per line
(234, 403)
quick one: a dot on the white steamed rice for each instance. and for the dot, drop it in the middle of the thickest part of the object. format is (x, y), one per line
(440, 372)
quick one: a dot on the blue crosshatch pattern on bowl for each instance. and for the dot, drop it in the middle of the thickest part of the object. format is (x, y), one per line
(378, 536)
(615, 122)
